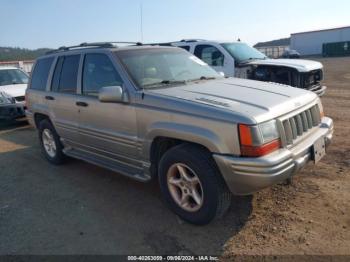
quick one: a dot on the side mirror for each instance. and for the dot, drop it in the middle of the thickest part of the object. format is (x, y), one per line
(113, 94)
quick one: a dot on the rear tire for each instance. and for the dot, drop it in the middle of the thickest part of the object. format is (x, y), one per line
(203, 195)
(50, 143)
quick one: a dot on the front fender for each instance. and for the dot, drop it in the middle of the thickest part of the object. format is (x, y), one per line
(189, 133)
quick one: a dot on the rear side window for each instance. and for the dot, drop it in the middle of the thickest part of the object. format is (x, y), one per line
(66, 74)
(209, 54)
(186, 47)
(98, 72)
(57, 73)
(41, 73)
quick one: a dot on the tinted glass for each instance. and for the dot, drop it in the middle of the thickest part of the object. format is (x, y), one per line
(56, 75)
(12, 77)
(164, 67)
(69, 73)
(242, 52)
(186, 47)
(41, 73)
(209, 54)
(98, 72)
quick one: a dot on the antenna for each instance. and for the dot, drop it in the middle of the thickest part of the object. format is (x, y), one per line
(141, 22)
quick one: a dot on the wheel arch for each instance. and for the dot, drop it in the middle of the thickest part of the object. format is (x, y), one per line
(38, 117)
(166, 136)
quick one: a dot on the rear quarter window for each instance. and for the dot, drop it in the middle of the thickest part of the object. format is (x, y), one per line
(186, 47)
(41, 73)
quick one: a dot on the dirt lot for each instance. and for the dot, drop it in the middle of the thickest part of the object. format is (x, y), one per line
(82, 209)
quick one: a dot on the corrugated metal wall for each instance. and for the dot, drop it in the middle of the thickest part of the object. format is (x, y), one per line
(310, 43)
(24, 65)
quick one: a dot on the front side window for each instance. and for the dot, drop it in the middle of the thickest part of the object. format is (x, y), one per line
(98, 72)
(41, 73)
(66, 73)
(209, 54)
(12, 77)
(161, 67)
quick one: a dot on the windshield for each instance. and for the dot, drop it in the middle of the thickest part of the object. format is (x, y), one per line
(161, 67)
(12, 77)
(242, 52)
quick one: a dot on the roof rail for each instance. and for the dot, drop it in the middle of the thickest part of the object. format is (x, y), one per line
(94, 44)
(161, 44)
(192, 40)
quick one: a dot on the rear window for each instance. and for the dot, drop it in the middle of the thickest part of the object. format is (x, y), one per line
(41, 73)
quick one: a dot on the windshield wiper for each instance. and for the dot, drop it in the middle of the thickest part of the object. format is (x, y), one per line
(203, 78)
(165, 82)
(248, 60)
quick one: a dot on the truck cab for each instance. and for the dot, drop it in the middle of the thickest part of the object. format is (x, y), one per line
(237, 59)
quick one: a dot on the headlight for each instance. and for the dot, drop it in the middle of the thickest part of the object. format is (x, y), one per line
(268, 131)
(259, 140)
(6, 99)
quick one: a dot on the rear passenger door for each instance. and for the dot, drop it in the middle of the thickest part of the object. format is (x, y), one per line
(37, 87)
(107, 129)
(62, 98)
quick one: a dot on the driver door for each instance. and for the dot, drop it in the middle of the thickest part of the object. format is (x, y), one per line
(107, 130)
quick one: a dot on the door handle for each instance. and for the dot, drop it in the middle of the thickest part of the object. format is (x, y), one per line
(49, 98)
(79, 103)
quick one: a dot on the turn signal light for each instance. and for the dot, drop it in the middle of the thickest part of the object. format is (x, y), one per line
(252, 142)
(256, 151)
(322, 114)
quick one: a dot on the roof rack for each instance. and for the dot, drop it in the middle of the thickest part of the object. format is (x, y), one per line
(161, 44)
(192, 40)
(91, 45)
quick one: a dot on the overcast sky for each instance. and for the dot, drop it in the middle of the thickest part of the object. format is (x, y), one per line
(53, 23)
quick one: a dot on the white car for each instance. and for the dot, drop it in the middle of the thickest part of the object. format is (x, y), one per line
(237, 59)
(13, 84)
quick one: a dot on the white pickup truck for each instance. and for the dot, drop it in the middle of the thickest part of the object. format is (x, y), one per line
(237, 59)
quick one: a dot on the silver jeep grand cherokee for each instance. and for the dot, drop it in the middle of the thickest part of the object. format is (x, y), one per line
(150, 111)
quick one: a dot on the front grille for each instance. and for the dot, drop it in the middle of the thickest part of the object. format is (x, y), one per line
(298, 125)
(19, 98)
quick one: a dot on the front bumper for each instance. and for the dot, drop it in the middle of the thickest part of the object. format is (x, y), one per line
(245, 175)
(318, 89)
(12, 111)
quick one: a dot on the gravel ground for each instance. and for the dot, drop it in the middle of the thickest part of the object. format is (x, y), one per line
(79, 208)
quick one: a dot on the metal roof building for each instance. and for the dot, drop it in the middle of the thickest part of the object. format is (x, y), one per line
(310, 43)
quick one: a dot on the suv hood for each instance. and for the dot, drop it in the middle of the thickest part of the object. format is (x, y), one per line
(259, 101)
(14, 90)
(298, 64)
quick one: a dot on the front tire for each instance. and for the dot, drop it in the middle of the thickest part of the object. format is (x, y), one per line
(50, 143)
(192, 184)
